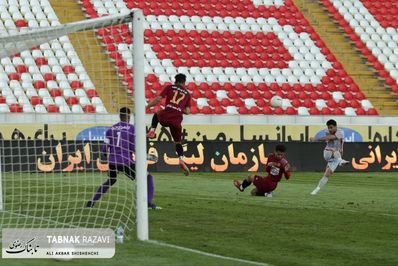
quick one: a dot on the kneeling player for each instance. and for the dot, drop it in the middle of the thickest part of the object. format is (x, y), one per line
(276, 166)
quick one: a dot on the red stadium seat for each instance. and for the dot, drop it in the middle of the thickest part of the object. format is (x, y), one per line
(76, 84)
(207, 110)
(21, 23)
(15, 108)
(39, 84)
(55, 92)
(52, 108)
(21, 69)
(49, 76)
(92, 93)
(372, 111)
(89, 108)
(40, 61)
(35, 100)
(278, 111)
(72, 101)
(68, 69)
(291, 111)
(14, 76)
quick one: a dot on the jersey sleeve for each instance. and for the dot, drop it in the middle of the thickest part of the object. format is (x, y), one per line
(286, 170)
(267, 166)
(165, 91)
(340, 134)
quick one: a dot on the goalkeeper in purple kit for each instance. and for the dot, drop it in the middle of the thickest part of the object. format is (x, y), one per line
(119, 145)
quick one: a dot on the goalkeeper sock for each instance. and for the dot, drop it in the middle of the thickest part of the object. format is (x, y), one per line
(151, 188)
(245, 184)
(103, 189)
(323, 181)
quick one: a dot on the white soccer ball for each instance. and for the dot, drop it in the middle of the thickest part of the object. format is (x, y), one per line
(276, 101)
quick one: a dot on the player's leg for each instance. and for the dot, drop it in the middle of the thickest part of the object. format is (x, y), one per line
(112, 174)
(245, 183)
(264, 186)
(323, 181)
(151, 190)
(129, 171)
(255, 192)
(176, 133)
(151, 133)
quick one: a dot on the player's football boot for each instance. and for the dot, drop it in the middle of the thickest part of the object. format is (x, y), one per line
(343, 162)
(184, 167)
(238, 185)
(153, 206)
(89, 204)
(315, 191)
(151, 134)
(268, 195)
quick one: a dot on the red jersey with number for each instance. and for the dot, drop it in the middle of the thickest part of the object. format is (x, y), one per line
(177, 98)
(275, 172)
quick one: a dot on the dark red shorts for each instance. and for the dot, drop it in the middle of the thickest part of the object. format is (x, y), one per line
(264, 184)
(172, 120)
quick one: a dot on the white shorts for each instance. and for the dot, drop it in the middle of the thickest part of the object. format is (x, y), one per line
(333, 158)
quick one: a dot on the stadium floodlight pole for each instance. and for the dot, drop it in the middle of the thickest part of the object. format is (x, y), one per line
(139, 121)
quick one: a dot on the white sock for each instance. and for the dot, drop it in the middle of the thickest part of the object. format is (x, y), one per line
(181, 157)
(323, 181)
(152, 129)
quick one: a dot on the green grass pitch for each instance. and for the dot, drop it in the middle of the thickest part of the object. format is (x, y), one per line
(352, 221)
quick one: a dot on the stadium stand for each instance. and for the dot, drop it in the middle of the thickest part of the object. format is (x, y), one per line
(46, 79)
(237, 55)
(372, 27)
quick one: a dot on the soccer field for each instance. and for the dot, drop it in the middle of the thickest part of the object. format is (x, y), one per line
(352, 221)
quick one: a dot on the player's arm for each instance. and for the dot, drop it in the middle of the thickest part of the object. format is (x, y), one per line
(325, 138)
(187, 110)
(269, 165)
(159, 97)
(286, 170)
(105, 146)
(154, 102)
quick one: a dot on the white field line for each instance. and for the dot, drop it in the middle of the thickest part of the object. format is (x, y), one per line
(207, 254)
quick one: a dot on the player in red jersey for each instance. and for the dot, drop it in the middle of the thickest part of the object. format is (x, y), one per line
(178, 102)
(276, 166)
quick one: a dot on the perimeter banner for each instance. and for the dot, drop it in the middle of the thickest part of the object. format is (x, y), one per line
(203, 156)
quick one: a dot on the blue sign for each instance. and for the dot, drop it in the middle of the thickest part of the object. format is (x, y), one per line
(350, 135)
(92, 133)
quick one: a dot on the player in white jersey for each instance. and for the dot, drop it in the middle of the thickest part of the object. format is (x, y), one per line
(332, 153)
